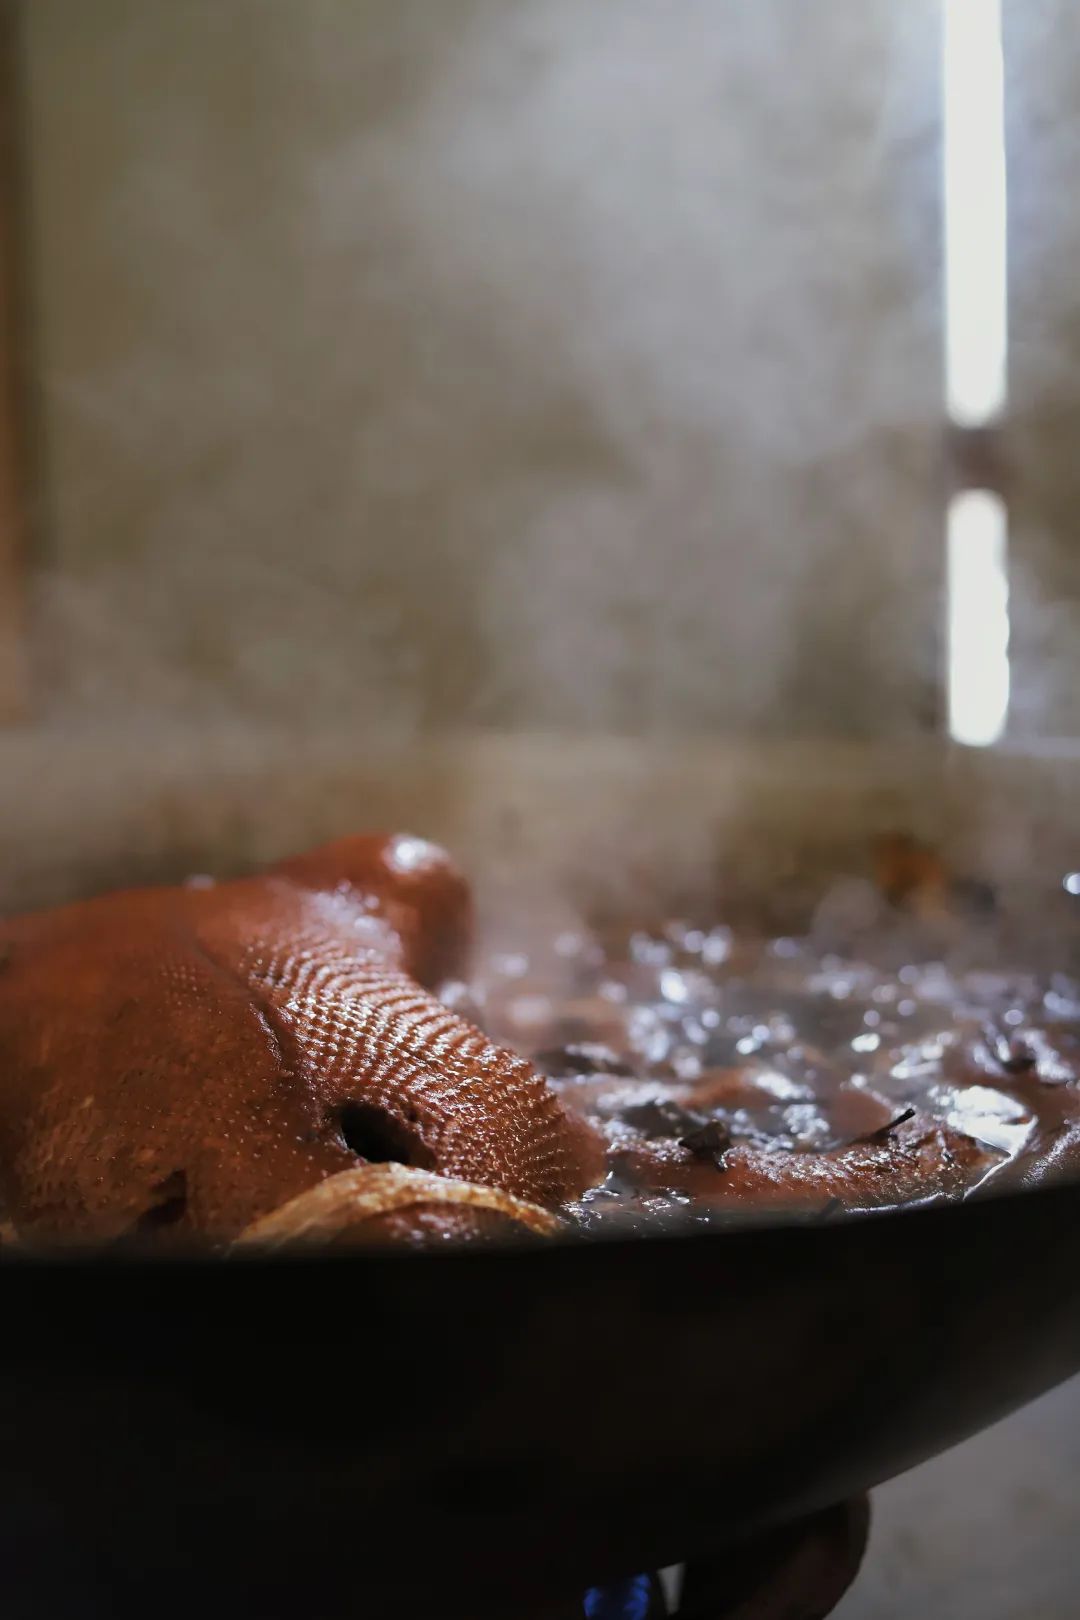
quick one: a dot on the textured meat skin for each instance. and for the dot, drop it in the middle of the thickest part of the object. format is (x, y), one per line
(185, 1060)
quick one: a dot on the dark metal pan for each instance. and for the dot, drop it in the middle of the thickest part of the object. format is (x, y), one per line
(435, 1434)
(425, 1435)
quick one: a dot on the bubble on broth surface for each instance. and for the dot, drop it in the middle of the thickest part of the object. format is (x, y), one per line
(801, 1051)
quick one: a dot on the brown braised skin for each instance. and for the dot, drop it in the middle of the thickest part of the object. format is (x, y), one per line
(198, 1062)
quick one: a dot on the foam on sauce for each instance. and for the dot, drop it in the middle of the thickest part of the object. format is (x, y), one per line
(690, 1038)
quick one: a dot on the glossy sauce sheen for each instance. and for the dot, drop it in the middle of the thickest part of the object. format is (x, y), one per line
(738, 1075)
(295, 1056)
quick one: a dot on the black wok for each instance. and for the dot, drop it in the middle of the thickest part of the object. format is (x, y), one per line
(437, 1434)
(424, 1435)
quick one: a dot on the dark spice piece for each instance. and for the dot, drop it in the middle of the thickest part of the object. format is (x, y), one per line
(580, 1057)
(710, 1141)
(663, 1118)
(885, 1130)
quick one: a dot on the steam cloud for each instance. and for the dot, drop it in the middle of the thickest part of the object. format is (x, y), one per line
(421, 367)
(544, 364)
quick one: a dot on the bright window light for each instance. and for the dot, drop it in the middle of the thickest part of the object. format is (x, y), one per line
(976, 361)
(975, 219)
(978, 595)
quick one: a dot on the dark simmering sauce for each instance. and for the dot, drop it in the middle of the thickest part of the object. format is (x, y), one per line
(731, 1075)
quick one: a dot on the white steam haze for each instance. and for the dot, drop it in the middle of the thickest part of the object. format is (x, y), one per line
(529, 364)
(533, 365)
(1042, 105)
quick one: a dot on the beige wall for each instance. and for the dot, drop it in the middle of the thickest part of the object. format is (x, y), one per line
(475, 361)
(1043, 102)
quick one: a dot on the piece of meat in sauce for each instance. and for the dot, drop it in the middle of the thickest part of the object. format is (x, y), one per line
(182, 1062)
(266, 1060)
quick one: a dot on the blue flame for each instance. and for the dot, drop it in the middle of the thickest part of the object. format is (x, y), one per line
(625, 1600)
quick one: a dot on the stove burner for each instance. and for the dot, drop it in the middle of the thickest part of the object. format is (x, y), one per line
(639, 1598)
(798, 1572)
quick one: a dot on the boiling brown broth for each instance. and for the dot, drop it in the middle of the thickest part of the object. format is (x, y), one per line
(694, 1047)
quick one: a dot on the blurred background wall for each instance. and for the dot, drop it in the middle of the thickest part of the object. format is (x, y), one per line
(401, 370)
(538, 364)
(1042, 108)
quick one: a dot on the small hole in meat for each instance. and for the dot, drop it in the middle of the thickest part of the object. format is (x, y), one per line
(380, 1138)
(171, 1197)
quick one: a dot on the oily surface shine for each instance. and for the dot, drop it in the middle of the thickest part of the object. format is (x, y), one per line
(186, 1060)
(294, 1057)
